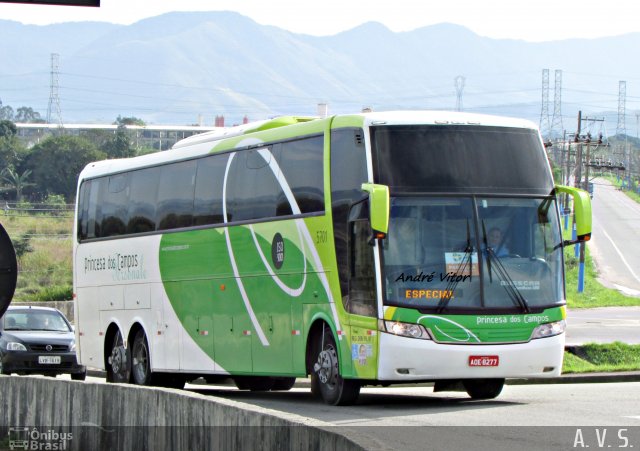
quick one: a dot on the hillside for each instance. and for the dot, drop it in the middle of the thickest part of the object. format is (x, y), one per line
(170, 68)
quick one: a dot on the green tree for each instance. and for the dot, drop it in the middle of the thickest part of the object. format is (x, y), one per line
(6, 112)
(120, 145)
(129, 121)
(57, 161)
(26, 114)
(7, 129)
(12, 151)
(15, 182)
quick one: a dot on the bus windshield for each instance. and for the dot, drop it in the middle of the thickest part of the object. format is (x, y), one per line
(460, 159)
(473, 253)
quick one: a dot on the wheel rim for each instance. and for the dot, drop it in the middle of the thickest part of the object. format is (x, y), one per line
(140, 359)
(116, 360)
(328, 367)
(117, 355)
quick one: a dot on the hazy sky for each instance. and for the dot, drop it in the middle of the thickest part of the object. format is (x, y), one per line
(531, 20)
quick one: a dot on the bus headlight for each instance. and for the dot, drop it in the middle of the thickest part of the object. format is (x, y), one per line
(404, 329)
(549, 329)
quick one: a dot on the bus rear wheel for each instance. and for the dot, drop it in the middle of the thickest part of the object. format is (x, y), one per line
(325, 375)
(140, 365)
(483, 388)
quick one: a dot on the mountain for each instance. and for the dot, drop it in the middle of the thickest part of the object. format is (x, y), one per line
(171, 68)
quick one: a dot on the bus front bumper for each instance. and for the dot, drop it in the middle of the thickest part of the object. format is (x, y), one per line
(410, 359)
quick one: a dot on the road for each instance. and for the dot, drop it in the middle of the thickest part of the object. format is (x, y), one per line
(615, 243)
(403, 417)
(603, 325)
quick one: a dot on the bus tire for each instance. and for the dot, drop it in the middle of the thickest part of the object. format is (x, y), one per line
(254, 383)
(283, 383)
(119, 361)
(140, 363)
(483, 388)
(325, 373)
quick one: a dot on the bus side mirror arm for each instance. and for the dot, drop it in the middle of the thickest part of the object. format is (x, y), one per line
(378, 210)
(582, 212)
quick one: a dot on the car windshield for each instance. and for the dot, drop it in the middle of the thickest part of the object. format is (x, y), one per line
(35, 320)
(473, 253)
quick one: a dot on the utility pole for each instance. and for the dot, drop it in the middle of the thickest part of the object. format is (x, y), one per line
(579, 139)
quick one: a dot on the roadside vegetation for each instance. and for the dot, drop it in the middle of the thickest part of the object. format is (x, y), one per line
(609, 357)
(595, 294)
(620, 184)
(43, 246)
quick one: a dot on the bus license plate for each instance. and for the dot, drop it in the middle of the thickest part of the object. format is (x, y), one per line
(49, 360)
(484, 360)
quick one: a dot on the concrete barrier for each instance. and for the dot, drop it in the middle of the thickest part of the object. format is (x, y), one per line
(121, 417)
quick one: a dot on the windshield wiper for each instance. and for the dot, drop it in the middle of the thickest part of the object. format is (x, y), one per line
(447, 293)
(503, 274)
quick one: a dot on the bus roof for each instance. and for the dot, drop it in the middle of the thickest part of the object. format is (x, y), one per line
(203, 143)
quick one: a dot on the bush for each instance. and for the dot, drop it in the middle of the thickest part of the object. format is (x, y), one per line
(54, 293)
(22, 245)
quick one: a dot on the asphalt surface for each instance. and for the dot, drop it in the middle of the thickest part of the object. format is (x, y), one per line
(615, 242)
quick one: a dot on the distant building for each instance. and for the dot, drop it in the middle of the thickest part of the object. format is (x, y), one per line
(159, 137)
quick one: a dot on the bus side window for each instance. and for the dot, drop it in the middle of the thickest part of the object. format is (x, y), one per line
(83, 210)
(115, 200)
(207, 205)
(175, 195)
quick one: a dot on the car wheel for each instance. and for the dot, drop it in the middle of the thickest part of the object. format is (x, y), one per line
(141, 366)
(2, 370)
(118, 362)
(79, 376)
(325, 375)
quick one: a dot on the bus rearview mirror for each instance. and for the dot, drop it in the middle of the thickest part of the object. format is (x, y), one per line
(378, 208)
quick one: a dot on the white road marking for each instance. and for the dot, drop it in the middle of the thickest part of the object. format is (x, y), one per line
(624, 260)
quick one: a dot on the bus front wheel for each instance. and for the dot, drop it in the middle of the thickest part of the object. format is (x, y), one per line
(325, 374)
(483, 388)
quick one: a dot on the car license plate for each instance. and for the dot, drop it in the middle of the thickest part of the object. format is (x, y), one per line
(49, 360)
(484, 360)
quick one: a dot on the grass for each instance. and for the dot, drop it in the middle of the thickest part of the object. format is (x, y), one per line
(595, 294)
(609, 357)
(44, 245)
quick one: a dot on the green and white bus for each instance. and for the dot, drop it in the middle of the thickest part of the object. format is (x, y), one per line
(365, 249)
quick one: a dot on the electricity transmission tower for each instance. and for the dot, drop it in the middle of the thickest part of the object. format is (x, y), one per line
(556, 121)
(54, 97)
(459, 84)
(545, 126)
(621, 129)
